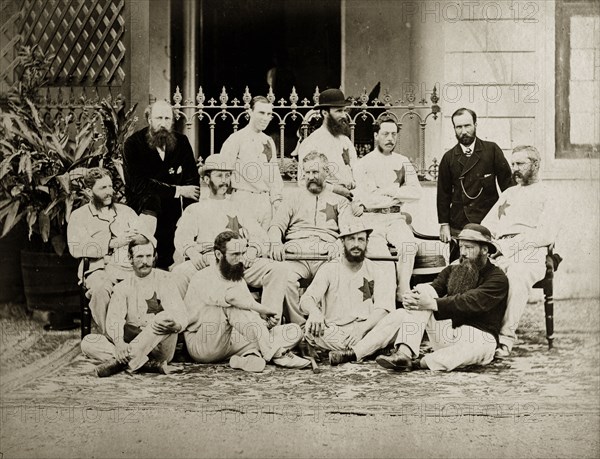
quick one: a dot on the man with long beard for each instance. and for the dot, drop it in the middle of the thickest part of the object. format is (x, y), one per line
(347, 297)
(523, 222)
(226, 321)
(332, 139)
(161, 177)
(467, 177)
(461, 310)
(100, 231)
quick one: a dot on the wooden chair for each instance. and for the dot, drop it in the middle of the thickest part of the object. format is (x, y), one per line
(86, 313)
(547, 285)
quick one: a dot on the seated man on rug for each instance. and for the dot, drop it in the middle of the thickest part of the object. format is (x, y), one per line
(145, 315)
(461, 310)
(101, 231)
(226, 322)
(347, 297)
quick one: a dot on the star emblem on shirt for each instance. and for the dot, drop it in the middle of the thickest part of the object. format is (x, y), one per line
(233, 224)
(330, 211)
(502, 209)
(154, 306)
(346, 156)
(367, 289)
(267, 151)
(399, 176)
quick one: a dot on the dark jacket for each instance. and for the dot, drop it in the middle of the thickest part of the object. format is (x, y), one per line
(150, 186)
(482, 307)
(479, 173)
(149, 181)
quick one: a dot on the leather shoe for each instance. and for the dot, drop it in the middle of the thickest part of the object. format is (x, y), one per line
(339, 357)
(397, 361)
(109, 368)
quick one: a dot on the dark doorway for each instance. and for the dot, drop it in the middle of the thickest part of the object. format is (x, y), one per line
(240, 41)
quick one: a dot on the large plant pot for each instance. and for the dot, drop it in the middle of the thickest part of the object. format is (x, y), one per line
(50, 282)
(11, 279)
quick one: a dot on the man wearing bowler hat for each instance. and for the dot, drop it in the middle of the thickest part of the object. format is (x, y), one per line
(461, 310)
(347, 297)
(332, 139)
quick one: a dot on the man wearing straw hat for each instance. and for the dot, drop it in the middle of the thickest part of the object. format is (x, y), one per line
(461, 310)
(256, 180)
(202, 221)
(333, 140)
(306, 228)
(347, 297)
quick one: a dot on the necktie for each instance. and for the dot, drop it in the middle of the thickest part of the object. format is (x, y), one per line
(467, 152)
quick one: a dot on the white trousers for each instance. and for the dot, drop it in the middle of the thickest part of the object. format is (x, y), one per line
(99, 286)
(333, 337)
(523, 270)
(452, 347)
(225, 332)
(392, 229)
(147, 342)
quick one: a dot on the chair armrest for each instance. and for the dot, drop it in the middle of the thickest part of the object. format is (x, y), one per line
(426, 237)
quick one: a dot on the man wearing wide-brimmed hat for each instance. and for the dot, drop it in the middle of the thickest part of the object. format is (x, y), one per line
(461, 310)
(332, 139)
(348, 296)
(202, 221)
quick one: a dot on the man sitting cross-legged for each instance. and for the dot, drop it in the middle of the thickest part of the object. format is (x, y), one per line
(347, 297)
(461, 310)
(145, 314)
(201, 222)
(226, 321)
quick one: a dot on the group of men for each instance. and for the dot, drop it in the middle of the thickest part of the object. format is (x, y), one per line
(333, 231)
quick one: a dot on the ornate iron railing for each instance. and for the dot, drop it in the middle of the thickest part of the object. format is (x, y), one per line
(301, 114)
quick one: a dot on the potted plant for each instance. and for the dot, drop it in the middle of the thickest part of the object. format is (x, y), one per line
(42, 162)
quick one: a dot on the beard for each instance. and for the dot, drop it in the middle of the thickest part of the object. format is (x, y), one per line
(162, 138)
(99, 203)
(314, 186)
(214, 188)
(354, 258)
(231, 272)
(465, 275)
(525, 179)
(337, 128)
(466, 139)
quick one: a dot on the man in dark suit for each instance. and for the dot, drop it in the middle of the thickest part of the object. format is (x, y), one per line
(467, 176)
(161, 177)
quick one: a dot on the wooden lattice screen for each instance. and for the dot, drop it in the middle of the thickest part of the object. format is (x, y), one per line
(86, 38)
